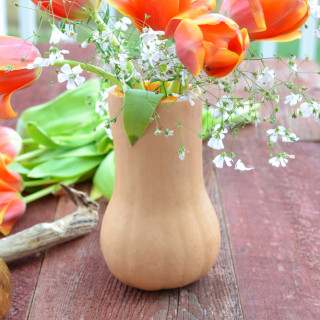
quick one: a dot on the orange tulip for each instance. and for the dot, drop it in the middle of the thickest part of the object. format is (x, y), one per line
(268, 20)
(212, 42)
(9, 180)
(69, 9)
(10, 142)
(15, 55)
(12, 208)
(162, 12)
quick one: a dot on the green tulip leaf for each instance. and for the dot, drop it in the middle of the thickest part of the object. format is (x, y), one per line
(71, 113)
(65, 167)
(104, 177)
(138, 108)
(40, 136)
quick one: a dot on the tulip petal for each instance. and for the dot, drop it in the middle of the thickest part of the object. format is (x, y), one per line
(12, 208)
(15, 55)
(257, 12)
(189, 46)
(9, 180)
(297, 34)
(10, 142)
(191, 11)
(219, 62)
(6, 111)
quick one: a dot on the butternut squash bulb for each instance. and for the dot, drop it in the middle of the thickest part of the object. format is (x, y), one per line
(160, 230)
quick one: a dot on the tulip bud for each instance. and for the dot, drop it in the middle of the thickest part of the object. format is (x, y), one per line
(212, 42)
(72, 10)
(15, 55)
(10, 142)
(268, 20)
(12, 208)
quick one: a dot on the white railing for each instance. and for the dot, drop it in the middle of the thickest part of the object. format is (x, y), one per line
(28, 24)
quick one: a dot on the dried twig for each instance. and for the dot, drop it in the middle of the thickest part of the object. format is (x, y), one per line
(46, 235)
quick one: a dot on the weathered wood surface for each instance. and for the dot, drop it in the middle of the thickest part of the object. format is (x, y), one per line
(270, 272)
(274, 223)
(48, 234)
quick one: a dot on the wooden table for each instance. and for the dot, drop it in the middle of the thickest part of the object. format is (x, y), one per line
(269, 263)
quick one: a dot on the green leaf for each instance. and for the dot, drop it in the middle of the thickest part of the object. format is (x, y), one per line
(40, 136)
(105, 145)
(65, 168)
(72, 112)
(104, 177)
(17, 167)
(138, 107)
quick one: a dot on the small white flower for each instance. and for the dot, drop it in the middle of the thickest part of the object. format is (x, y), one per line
(57, 36)
(188, 97)
(84, 44)
(168, 133)
(182, 155)
(309, 108)
(215, 141)
(257, 122)
(38, 62)
(280, 159)
(220, 159)
(266, 78)
(109, 132)
(273, 133)
(122, 24)
(293, 99)
(72, 76)
(223, 106)
(56, 55)
(240, 166)
(149, 35)
(290, 137)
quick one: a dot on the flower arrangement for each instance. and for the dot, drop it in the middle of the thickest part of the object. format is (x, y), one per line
(178, 49)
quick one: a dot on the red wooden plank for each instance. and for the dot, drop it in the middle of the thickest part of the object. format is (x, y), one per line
(274, 223)
(25, 271)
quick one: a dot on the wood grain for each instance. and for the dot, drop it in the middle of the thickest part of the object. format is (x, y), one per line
(87, 290)
(274, 223)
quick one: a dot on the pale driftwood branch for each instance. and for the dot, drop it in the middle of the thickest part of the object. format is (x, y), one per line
(45, 235)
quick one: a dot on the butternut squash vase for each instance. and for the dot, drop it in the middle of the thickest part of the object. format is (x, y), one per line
(160, 230)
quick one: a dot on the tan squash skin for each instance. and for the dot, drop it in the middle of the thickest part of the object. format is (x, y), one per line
(160, 230)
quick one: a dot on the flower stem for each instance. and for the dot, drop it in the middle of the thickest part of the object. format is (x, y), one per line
(115, 42)
(41, 193)
(40, 182)
(91, 68)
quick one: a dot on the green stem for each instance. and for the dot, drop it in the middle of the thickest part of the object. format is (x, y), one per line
(91, 68)
(174, 86)
(41, 193)
(30, 155)
(115, 42)
(40, 182)
(27, 141)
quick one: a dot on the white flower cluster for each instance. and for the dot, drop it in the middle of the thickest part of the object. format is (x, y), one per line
(156, 59)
